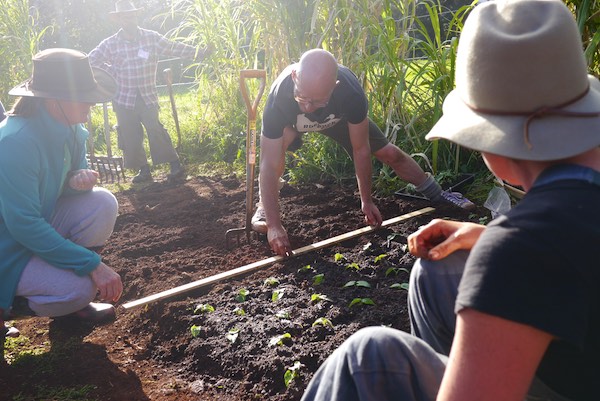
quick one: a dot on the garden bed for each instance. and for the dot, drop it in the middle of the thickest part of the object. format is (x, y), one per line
(285, 317)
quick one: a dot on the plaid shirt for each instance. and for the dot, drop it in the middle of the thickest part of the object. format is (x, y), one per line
(133, 63)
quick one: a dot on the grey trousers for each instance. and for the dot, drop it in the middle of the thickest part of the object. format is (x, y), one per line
(131, 136)
(383, 364)
(87, 220)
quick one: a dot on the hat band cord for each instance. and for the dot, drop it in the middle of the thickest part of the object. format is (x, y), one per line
(542, 112)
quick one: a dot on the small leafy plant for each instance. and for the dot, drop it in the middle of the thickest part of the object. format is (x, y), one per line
(322, 321)
(318, 279)
(279, 340)
(195, 330)
(353, 265)
(359, 283)
(242, 295)
(395, 271)
(232, 335)
(338, 257)
(361, 301)
(381, 257)
(203, 308)
(276, 295)
(239, 311)
(282, 314)
(306, 268)
(319, 298)
(291, 373)
(400, 286)
(271, 282)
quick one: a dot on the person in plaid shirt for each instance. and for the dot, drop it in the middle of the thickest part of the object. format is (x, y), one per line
(131, 56)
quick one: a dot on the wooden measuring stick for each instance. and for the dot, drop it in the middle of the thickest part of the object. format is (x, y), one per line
(265, 262)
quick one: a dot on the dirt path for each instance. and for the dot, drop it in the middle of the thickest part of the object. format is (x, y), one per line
(169, 235)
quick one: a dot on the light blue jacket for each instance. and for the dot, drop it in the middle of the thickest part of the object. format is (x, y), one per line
(35, 157)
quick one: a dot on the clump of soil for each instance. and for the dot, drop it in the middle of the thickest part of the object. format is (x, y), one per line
(295, 313)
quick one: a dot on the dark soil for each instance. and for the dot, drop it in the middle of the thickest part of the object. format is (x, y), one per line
(168, 235)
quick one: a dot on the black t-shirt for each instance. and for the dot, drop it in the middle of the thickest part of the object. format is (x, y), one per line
(540, 265)
(348, 102)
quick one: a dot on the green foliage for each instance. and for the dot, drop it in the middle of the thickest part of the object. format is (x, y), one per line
(239, 311)
(338, 257)
(271, 281)
(282, 314)
(318, 279)
(204, 308)
(279, 340)
(402, 286)
(195, 330)
(395, 271)
(322, 321)
(361, 301)
(359, 283)
(277, 295)
(60, 393)
(232, 335)
(242, 295)
(315, 298)
(291, 373)
(353, 266)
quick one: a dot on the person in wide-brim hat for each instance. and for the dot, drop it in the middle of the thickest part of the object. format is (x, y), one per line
(67, 75)
(52, 215)
(522, 90)
(124, 8)
(507, 311)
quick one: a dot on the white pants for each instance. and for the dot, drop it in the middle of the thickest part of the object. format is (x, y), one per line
(87, 220)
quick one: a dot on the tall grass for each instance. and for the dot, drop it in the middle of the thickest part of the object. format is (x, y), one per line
(19, 38)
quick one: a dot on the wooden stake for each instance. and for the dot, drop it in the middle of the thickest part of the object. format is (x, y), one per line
(266, 262)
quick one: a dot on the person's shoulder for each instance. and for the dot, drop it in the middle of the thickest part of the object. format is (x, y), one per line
(150, 33)
(346, 74)
(283, 83)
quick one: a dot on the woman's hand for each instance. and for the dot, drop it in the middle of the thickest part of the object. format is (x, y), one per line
(440, 238)
(108, 282)
(83, 180)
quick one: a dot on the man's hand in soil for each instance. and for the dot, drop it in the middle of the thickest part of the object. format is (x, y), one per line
(440, 238)
(279, 241)
(372, 214)
(108, 282)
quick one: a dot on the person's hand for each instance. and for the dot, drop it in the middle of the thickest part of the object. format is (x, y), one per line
(279, 241)
(83, 180)
(108, 282)
(372, 214)
(440, 238)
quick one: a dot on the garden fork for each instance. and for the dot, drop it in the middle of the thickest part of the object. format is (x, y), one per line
(250, 151)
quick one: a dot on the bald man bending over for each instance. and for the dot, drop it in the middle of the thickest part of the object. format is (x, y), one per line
(319, 95)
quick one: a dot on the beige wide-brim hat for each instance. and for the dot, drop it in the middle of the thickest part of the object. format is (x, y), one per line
(123, 7)
(522, 87)
(66, 74)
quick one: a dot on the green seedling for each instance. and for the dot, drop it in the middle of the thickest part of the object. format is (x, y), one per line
(361, 301)
(353, 265)
(195, 330)
(318, 279)
(283, 314)
(242, 295)
(400, 286)
(291, 373)
(279, 340)
(338, 257)
(203, 308)
(277, 295)
(392, 237)
(395, 271)
(318, 298)
(232, 335)
(306, 268)
(271, 282)
(322, 321)
(379, 258)
(239, 311)
(359, 283)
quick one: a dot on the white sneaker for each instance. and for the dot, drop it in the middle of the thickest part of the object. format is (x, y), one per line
(259, 220)
(457, 199)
